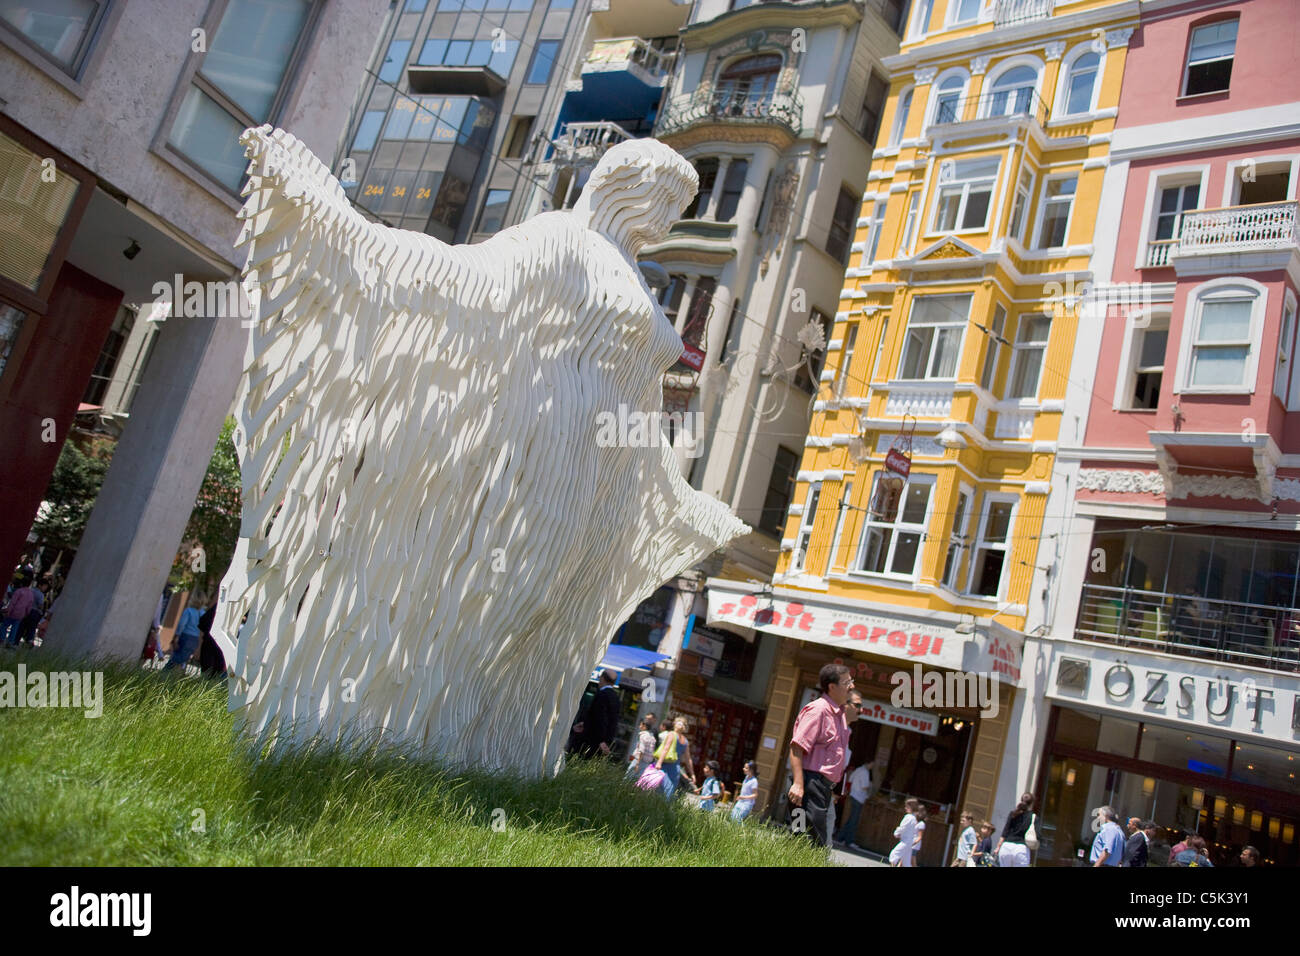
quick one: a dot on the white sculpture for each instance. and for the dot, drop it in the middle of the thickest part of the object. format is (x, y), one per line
(433, 544)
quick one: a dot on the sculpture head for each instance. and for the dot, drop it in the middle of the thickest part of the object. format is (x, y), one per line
(636, 192)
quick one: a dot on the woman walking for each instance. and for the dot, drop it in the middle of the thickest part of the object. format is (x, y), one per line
(673, 751)
(1013, 848)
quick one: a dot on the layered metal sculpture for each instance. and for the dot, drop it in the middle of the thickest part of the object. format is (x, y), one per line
(435, 548)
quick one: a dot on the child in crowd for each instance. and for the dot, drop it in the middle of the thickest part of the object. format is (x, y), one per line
(983, 855)
(748, 793)
(711, 789)
(901, 854)
(966, 842)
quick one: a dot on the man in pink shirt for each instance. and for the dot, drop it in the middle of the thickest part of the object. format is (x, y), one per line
(819, 750)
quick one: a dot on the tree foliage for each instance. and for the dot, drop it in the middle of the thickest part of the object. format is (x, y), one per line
(213, 529)
(70, 495)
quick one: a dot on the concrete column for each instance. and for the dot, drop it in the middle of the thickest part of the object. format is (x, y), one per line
(135, 529)
(715, 196)
(684, 307)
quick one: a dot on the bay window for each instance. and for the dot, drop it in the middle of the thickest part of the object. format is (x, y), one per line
(895, 526)
(1030, 347)
(1058, 199)
(990, 556)
(932, 345)
(965, 192)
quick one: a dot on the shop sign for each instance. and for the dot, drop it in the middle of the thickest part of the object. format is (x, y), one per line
(914, 720)
(707, 646)
(911, 641)
(1213, 696)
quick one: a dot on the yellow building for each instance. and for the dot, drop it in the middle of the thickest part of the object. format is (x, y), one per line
(955, 326)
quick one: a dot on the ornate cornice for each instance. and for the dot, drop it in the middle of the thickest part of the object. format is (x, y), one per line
(926, 75)
(1054, 50)
(1118, 38)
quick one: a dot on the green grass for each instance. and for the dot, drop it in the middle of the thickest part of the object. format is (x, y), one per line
(127, 788)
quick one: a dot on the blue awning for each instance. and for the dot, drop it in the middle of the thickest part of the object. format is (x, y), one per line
(621, 657)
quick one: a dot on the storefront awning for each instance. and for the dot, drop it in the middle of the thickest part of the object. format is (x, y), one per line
(915, 639)
(622, 657)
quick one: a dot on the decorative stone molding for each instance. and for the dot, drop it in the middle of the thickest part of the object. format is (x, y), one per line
(1122, 481)
(1118, 38)
(922, 445)
(979, 65)
(1055, 50)
(925, 75)
(923, 401)
(1038, 488)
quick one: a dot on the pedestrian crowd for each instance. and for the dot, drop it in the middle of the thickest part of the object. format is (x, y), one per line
(28, 605)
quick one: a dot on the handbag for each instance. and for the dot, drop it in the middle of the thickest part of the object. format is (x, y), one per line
(652, 778)
(1031, 835)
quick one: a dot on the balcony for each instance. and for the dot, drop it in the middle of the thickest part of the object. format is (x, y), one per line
(1255, 635)
(781, 113)
(1008, 13)
(1261, 228)
(633, 54)
(582, 144)
(993, 105)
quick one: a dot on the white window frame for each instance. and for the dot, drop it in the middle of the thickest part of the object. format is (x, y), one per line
(914, 27)
(909, 224)
(898, 527)
(1228, 287)
(880, 347)
(931, 354)
(846, 498)
(1138, 321)
(879, 210)
(1021, 349)
(991, 498)
(957, 538)
(902, 113)
(993, 357)
(1187, 61)
(1006, 66)
(1270, 164)
(1284, 358)
(1293, 395)
(846, 357)
(950, 15)
(1024, 189)
(932, 107)
(966, 184)
(1157, 181)
(1063, 84)
(799, 556)
(1041, 218)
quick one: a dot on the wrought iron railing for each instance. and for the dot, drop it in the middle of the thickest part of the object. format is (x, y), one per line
(1258, 635)
(1009, 12)
(731, 106)
(1269, 225)
(1020, 101)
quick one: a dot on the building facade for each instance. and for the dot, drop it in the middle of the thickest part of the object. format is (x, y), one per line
(1171, 678)
(120, 171)
(916, 526)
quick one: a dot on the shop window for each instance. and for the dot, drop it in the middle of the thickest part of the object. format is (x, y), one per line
(895, 525)
(1027, 362)
(1058, 200)
(934, 336)
(965, 192)
(780, 489)
(1210, 53)
(991, 548)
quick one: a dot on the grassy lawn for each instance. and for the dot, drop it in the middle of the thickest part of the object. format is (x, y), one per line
(161, 780)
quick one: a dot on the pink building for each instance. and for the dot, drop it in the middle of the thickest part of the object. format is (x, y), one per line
(1178, 482)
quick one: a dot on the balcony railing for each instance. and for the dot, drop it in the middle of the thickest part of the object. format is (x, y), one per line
(1263, 226)
(1009, 12)
(1240, 228)
(732, 106)
(1022, 101)
(1257, 635)
(582, 144)
(618, 52)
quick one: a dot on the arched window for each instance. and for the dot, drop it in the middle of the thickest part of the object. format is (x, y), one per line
(947, 100)
(900, 118)
(747, 85)
(1013, 91)
(1080, 83)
